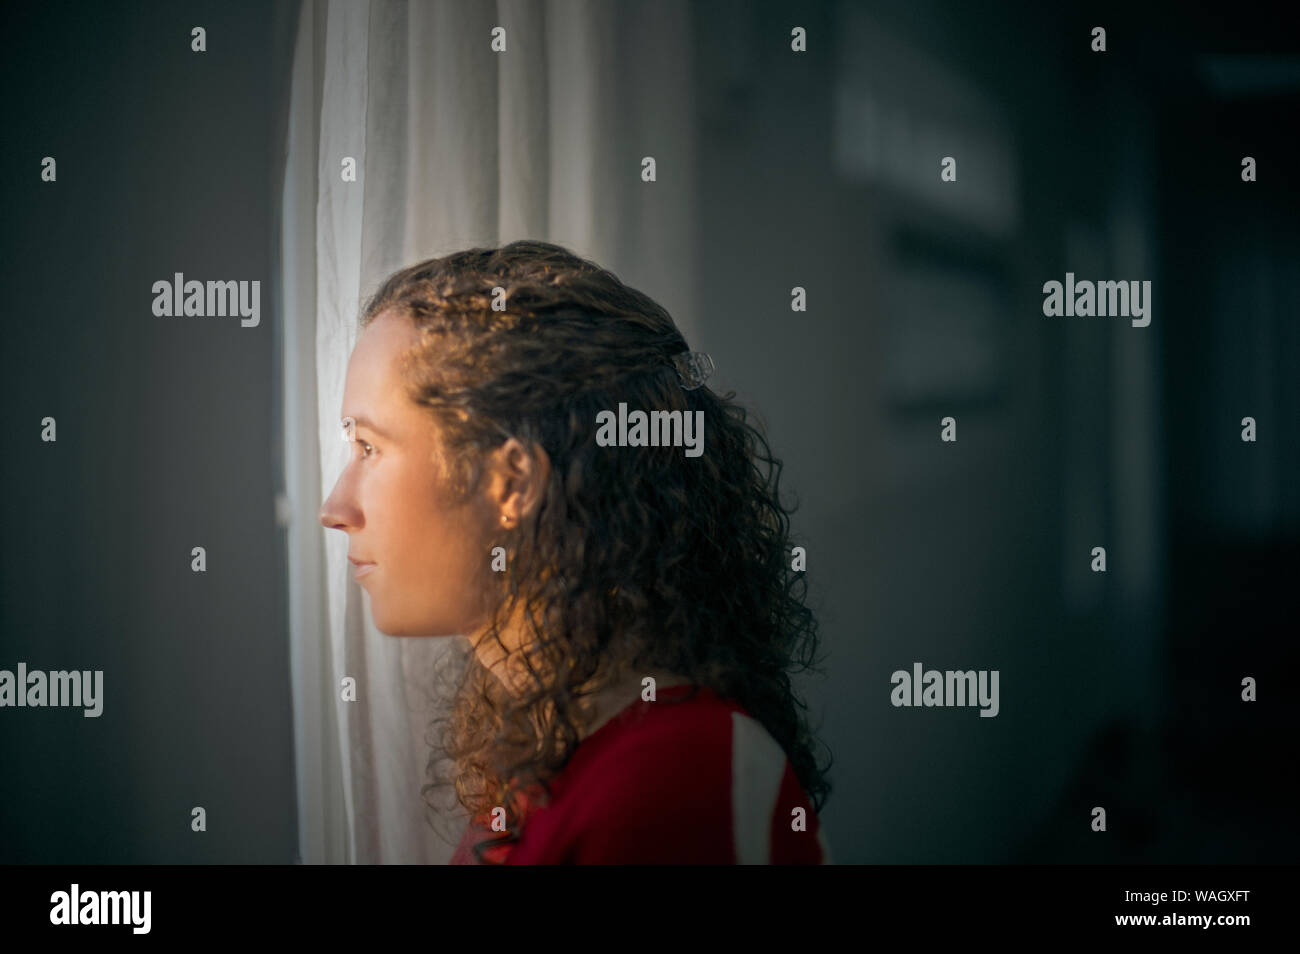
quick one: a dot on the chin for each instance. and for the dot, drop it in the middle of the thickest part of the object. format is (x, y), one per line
(399, 627)
(386, 624)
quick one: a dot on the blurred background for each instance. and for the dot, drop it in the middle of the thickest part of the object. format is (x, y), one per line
(777, 169)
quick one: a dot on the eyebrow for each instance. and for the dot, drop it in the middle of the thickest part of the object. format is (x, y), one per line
(362, 421)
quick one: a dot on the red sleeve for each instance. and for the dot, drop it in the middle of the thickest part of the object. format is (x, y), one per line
(797, 838)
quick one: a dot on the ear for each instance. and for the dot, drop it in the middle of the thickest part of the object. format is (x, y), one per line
(518, 476)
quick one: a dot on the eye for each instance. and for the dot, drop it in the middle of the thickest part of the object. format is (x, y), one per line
(367, 450)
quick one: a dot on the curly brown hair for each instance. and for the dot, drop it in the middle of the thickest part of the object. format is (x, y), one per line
(634, 560)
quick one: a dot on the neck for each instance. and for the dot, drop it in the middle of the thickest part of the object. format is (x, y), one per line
(623, 685)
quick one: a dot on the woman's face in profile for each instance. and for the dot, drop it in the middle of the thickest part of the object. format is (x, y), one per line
(421, 554)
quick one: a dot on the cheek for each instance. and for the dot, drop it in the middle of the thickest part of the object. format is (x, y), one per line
(435, 554)
(433, 533)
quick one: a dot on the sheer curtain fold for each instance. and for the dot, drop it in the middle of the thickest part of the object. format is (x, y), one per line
(454, 145)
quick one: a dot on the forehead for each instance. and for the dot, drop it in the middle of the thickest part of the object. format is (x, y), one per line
(374, 377)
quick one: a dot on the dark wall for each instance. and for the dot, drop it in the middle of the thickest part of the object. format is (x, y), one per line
(165, 438)
(1072, 433)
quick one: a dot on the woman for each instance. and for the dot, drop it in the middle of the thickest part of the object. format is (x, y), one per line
(631, 604)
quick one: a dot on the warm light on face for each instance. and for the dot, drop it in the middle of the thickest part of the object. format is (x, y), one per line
(427, 551)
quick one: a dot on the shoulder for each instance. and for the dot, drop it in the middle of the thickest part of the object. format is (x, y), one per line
(677, 743)
(696, 780)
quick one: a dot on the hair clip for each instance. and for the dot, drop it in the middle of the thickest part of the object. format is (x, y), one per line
(693, 368)
(349, 429)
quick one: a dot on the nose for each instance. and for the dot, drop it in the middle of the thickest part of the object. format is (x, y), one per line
(339, 511)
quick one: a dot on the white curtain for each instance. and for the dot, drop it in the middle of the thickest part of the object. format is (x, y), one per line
(455, 145)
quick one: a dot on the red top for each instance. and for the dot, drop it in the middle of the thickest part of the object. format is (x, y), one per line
(696, 781)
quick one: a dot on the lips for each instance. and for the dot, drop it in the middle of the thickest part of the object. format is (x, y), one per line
(362, 567)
